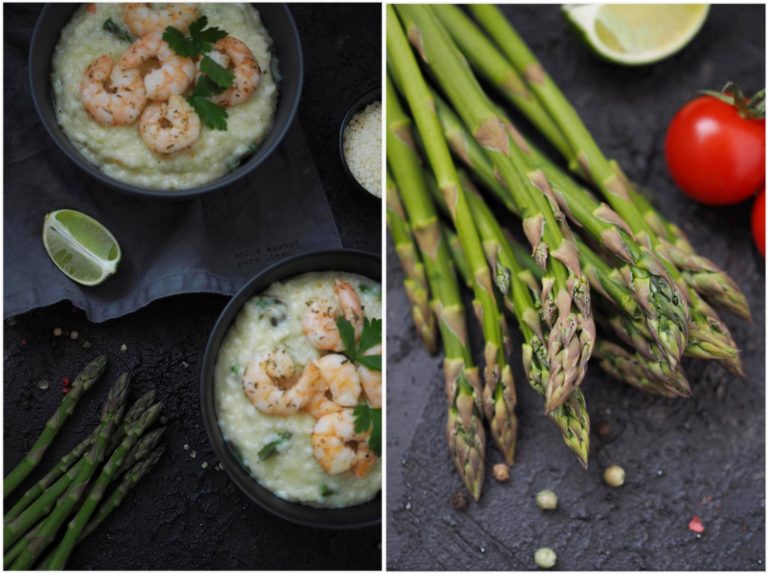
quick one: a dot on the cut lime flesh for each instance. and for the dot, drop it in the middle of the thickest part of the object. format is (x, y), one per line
(81, 247)
(637, 34)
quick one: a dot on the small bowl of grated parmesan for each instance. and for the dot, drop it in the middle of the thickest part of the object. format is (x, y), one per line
(360, 143)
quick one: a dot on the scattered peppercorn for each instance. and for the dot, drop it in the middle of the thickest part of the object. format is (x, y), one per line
(57, 331)
(74, 335)
(545, 558)
(614, 476)
(459, 500)
(546, 499)
(603, 429)
(501, 472)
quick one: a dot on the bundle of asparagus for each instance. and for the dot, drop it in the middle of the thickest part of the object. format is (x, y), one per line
(617, 263)
(75, 487)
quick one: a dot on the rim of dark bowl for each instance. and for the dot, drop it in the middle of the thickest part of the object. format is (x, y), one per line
(360, 103)
(272, 140)
(352, 517)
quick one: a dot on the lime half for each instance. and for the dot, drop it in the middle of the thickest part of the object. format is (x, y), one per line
(80, 246)
(637, 34)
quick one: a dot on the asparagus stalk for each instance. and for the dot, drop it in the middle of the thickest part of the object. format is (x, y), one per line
(128, 482)
(566, 292)
(464, 428)
(146, 445)
(521, 293)
(636, 371)
(50, 478)
(415, 282)
(700, 273)
(96, 492)
(708, 332)
(141, 450)
(646, 368)
(708, 337)
(494, 67)
(499, 393)
(80, 386)
(652, 290)
(52, 485)
(111, 416)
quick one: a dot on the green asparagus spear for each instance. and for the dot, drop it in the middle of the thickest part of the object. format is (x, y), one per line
(96, 492)
(499, 393)
(415, 281)
(128, 482)
(80, 386)
(464, 429)
(110, 420)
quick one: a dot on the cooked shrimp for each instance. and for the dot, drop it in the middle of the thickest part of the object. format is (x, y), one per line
(145, 18)
(175, 73)
(341, 377)
(364, 461)
(335, 442)
(169, 126)
(320, 319)
(245, 68)
(371, 379)
(262, 384)
(320, 404)
(111, 94)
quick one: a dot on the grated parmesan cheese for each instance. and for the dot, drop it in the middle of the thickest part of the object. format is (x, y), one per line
(362, 147)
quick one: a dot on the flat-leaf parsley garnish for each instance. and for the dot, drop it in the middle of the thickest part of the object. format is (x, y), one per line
(370, 337)
(214, 77)
(367, 418)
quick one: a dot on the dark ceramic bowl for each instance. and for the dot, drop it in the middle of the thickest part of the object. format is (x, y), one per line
(359, 105)
(362, 515)
(277, 19)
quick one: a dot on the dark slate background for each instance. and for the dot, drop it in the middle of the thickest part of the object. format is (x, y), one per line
(183, 516)
(703, 456)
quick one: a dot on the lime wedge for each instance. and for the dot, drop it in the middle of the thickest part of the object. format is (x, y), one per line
(80, 246)
(637, 34)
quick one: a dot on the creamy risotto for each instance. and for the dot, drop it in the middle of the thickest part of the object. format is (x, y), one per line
(279, 450)
(119, 150)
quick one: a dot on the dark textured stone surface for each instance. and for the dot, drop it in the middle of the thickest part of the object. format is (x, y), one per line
(184, 516)
(704, 456)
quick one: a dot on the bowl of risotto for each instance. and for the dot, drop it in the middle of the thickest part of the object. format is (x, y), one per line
(291, 389)
(166, 100)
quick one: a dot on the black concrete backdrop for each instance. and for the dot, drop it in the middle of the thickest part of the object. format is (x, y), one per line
(184, 516)
(704, 456)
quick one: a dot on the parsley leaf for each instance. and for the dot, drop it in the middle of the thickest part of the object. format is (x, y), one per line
(370, 337)
(206, 87)
(271, 448)
(178, 42)
(217, 73)
(347, 333)
(367, 418)
(213, 116)
(203, 39)
(117, 31)
(325, 491)
(372, 362)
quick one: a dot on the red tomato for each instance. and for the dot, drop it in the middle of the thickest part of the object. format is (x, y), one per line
(714, 154)
(758, 222)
